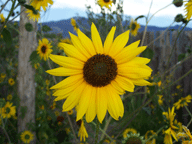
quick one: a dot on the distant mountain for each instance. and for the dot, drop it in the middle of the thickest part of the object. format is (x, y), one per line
(64, 26)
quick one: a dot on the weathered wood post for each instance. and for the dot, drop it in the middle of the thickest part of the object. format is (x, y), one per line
(26, 83)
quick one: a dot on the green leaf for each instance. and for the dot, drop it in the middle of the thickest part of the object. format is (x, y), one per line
(29, 27)
(181, 57)
(30, 8)
(23, 111)
(34, 57)
(141, 16)
(148, 53)
(46, 28)
(7, 37)
(147, 109)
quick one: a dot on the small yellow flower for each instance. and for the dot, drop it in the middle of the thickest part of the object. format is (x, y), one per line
(149, 134)
(49, 118)
(57, 113)
(42, 107)
(27, 136)
(2, 18)
(82, 132)
(128, 131)
(183, 102)
(67, 130)
(70, 112)
(44, 48)
(188, 9)
(8, 110)
(9, 97)
(134, 27)
(73, 22)
(3, 75)
(170, 115)
(47, 82)
(160, 100)
(36, 65)
(106, 3)
(159, 83)
(178, 86)
(33, 15)
(11, 81)
(37, 4)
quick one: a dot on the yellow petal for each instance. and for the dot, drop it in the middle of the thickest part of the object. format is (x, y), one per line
(125, 83)
(86, 42)
(119, 43)
(69, 81)
(126, 52)
(61, 71)
(139, 61)
(96, 39)
(77, 43)
(115, 105)
(62, 97)
(135, 72)
(101, 103)
(71, 51)
(73, 99)
(68, 89)
(109, 40)
(140, 82)
(84, 102)
(115, 85)
(91, 111)
(67, 62)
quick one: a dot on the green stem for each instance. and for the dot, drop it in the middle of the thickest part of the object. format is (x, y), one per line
(105, 128)
(155, 134)
(188, 110)
(10, 13)
(97, 132)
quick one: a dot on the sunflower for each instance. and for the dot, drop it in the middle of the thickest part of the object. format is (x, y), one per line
(9, 97)
(183, 102)
(70, 112)
(170, 115)
(27, 136)
(44, 48)
(3, 75)
(134, 27)
(188, 8)
(98, 75)
(133, 139)
(8, 110)
(2, 18)
(129, 131)
(65, 40)
(149, 134)
(33, 15)
(106, 3)
(82, 132)
(11, 81)
(37, 4)
(160, 99)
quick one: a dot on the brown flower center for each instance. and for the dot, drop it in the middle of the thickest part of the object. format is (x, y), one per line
(106, 1)
(7, 110)
(99, 70)
(133, 140)
(133, 26)
(43, 49)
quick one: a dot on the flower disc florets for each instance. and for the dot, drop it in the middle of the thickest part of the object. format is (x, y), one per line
(100, 70)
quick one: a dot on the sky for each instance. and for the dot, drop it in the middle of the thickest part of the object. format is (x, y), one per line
(65, 9)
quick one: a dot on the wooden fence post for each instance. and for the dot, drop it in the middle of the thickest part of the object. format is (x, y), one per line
(26, 83)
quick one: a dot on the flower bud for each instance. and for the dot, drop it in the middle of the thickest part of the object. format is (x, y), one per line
(179, 18)
(178, 3)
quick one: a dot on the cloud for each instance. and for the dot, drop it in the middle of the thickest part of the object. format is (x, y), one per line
(131, 7)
